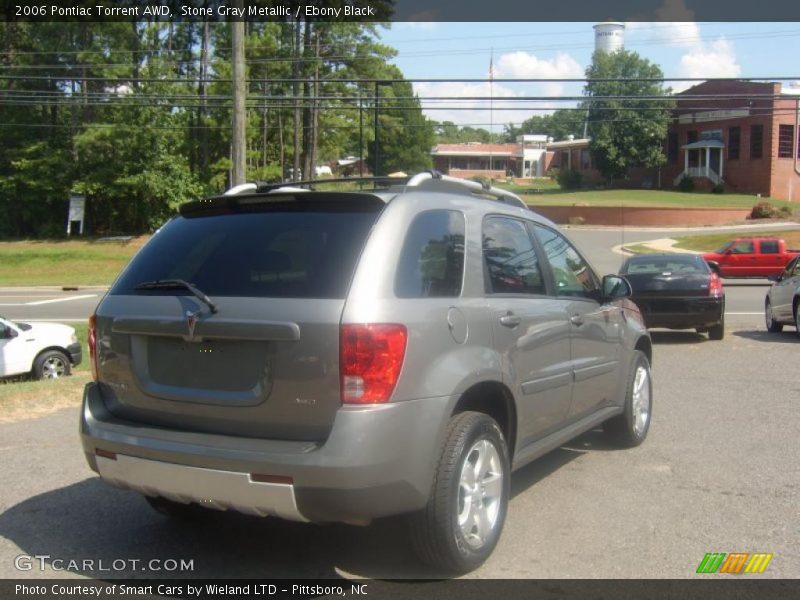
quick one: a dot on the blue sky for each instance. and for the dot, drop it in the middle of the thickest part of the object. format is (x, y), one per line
(534, 50)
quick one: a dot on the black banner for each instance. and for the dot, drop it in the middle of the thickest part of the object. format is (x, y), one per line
(730, 588)
(401, 10)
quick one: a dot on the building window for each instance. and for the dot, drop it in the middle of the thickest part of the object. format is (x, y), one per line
(756, 141)
(711, 134)
(785, 141)
(672, 147)
(586, 162)
(734, 142)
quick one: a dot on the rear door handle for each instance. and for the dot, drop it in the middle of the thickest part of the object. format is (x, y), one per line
(576, 320)
(510, 320)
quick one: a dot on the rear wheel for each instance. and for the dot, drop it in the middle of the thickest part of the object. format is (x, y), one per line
(51, 364)
(631, 427)
(717, 332)
(772, 325)
(462, 522)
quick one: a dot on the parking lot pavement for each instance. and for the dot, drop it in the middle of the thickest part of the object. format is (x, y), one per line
(718, 473)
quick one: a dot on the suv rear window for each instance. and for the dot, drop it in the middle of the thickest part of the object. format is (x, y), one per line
(295, 254)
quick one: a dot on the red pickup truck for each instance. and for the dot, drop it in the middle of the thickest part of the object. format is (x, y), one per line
(751, 257)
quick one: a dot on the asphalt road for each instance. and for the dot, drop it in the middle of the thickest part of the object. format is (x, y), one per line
(718, 473)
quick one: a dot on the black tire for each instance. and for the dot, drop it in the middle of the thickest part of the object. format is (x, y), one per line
(437, 536)
(797, 316)
(717, 332)
(51, 364)
(172, 509)
(629, 429)
(772, 325)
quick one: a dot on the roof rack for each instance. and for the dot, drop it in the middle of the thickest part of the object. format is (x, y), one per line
(432, 180)
(423, 180)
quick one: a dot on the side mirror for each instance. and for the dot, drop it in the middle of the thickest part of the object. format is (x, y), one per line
(775, 277)
(9, 332)
(615, 287)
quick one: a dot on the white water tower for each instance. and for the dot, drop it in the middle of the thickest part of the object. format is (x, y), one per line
(609, 36)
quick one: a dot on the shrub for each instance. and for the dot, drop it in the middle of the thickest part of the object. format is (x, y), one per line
(686, 184)
(718, 189)
(785, 212)
(763, 210)
(553, 173)
(570, 180)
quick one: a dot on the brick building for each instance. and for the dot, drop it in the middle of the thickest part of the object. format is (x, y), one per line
(746, 139)
(522, 159)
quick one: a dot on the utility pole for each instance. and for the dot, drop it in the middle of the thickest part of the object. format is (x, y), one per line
(239, 147)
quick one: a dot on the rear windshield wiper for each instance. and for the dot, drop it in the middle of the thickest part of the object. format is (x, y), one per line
(160, 284)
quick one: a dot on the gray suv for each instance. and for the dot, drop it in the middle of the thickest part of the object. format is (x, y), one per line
(333, 356)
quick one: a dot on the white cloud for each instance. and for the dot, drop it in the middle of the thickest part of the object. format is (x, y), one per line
(674, 33)
(514, 65)
(709, 59)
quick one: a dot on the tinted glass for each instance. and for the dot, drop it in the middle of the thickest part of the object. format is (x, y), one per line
(742, 248)
(432, 260)
(510, 259)
(266, 254)
(660, 265)
(571, 273)
(769, 247)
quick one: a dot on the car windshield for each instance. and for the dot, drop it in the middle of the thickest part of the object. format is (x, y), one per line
(662, 265)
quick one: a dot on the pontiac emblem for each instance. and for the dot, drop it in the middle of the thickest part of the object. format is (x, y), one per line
(191, 321)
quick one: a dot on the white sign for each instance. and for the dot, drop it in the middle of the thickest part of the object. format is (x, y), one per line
(77, 208)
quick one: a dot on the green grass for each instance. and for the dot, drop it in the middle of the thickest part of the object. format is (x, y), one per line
(649, 198)
(73, 262)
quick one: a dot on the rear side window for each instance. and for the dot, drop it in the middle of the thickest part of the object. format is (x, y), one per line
(769, 247)
(263, 254)
(432, 260)
(511, 262)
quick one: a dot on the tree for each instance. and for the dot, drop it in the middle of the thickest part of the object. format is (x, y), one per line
(405, 134)
(628, 117)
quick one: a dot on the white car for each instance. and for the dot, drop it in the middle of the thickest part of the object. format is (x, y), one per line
(46, 350)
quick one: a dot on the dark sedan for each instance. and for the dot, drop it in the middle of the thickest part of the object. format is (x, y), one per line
(677, 291)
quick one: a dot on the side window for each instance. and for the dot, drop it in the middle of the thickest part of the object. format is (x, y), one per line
(510, 259)
(796, 271)
(571, 273)
(432, 260)
(744, 247)
(769, 247)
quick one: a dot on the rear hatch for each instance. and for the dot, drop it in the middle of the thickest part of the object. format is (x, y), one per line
(250, 346)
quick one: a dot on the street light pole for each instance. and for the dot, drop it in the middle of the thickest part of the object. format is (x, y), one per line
(375, 117)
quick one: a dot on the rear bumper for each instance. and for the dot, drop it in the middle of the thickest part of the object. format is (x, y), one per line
(75, 354)
(686, 313)
(377, 461)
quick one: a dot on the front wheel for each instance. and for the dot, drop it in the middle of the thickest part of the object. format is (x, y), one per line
(52, 364)
(462, 522)
(769, 317)
(631, 427)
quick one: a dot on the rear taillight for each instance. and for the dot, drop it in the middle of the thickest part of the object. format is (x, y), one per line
(93, 345)
(371, 357)
(715, 286)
